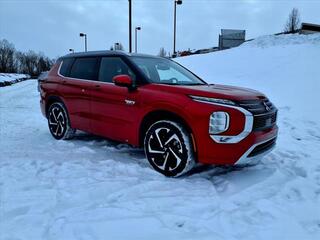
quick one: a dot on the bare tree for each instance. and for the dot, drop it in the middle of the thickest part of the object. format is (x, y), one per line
(162, 52)
(12, 61)
(7, 62)
(293, 21)
(43, 64)
(33, 63)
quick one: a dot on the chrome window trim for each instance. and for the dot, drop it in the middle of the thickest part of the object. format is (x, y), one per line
(244, 159)
(79, 79)
(225, 139)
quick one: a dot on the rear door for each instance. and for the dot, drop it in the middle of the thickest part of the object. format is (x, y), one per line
(76, 88)
(114, 109)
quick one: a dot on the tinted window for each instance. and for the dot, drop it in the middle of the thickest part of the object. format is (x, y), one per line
(66, 66)
(112, 66)
(84, 68)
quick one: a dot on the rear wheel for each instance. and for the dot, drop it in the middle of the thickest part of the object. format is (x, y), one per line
(58, 122)
(168, 148)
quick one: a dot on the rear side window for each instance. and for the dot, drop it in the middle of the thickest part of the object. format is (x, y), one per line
(112, 66)
(84, 68)
(66, 66)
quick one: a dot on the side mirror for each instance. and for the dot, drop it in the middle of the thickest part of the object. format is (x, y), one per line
(123, 81)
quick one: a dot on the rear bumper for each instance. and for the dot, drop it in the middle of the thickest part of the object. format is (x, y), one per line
(43, 107)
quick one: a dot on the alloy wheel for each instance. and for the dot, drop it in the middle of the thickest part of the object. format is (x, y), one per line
(57, 121)
(168, 149)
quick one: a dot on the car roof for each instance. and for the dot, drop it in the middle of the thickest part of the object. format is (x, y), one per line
(106, 53)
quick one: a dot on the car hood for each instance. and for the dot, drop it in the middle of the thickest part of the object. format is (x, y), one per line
(214, 91)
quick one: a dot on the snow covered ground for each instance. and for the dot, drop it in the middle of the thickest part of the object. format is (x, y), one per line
(10, 78)
(91, 188)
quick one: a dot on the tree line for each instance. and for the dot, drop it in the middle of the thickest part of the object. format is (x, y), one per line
(13, 61)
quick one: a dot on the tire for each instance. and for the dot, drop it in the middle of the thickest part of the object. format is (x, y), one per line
(168, 148)
(58, 122)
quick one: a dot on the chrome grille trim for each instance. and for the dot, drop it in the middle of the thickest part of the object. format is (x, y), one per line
(264, 113)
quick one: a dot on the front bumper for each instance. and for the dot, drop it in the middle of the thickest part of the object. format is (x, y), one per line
(241, 143)
(253, 147)
(257, 151)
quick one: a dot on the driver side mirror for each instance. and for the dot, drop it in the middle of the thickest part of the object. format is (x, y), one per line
(123, 81)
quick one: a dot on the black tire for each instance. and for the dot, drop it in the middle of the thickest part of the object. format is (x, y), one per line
(58, 122)
(168, 148)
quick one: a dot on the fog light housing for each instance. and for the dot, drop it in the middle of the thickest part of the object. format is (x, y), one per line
(219, 122)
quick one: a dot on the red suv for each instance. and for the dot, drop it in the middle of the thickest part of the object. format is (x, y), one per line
(155, 103)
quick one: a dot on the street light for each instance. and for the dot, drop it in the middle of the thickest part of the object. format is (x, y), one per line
(176, 2)
(136, 31)
(71, 50)
(85, 40)
(130, 27)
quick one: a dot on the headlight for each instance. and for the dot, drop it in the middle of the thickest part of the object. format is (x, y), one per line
(219, 122)
(212, 100)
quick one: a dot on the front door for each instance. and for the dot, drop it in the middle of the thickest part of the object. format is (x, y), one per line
(113, 108)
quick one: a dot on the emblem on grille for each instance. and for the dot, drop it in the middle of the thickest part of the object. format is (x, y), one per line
(266, 106)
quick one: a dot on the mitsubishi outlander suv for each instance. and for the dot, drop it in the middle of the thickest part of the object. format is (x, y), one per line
(155, 103)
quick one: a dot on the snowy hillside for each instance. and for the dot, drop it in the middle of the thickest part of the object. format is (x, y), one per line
(10, 78)
(91, 188)
(284, 67)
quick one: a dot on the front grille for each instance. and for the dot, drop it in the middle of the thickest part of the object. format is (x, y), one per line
(264, 121)
(257, 107)
(263, 147)
(264, 112)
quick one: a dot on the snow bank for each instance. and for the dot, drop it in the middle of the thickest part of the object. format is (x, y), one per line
(10, 78)
(283, 40)
(91, 188)
(285, 68)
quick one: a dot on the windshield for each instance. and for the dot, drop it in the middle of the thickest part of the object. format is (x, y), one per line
(164, 71)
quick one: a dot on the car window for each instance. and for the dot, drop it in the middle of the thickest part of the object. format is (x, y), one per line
(66, 66)
(170, 74)
(145, 70)
(164, 71)
(113, 66)
(84, 68)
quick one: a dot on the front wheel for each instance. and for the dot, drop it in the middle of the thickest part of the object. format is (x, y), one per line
(58, 122)
(168, 147)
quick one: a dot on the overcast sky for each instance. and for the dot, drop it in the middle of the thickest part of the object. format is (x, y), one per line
(54, 26)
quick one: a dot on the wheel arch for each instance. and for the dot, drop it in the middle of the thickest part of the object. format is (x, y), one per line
(158, 115)
(50, 100)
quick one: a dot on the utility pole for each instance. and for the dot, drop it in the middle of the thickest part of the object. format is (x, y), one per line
(176, 2)
(130, 26)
